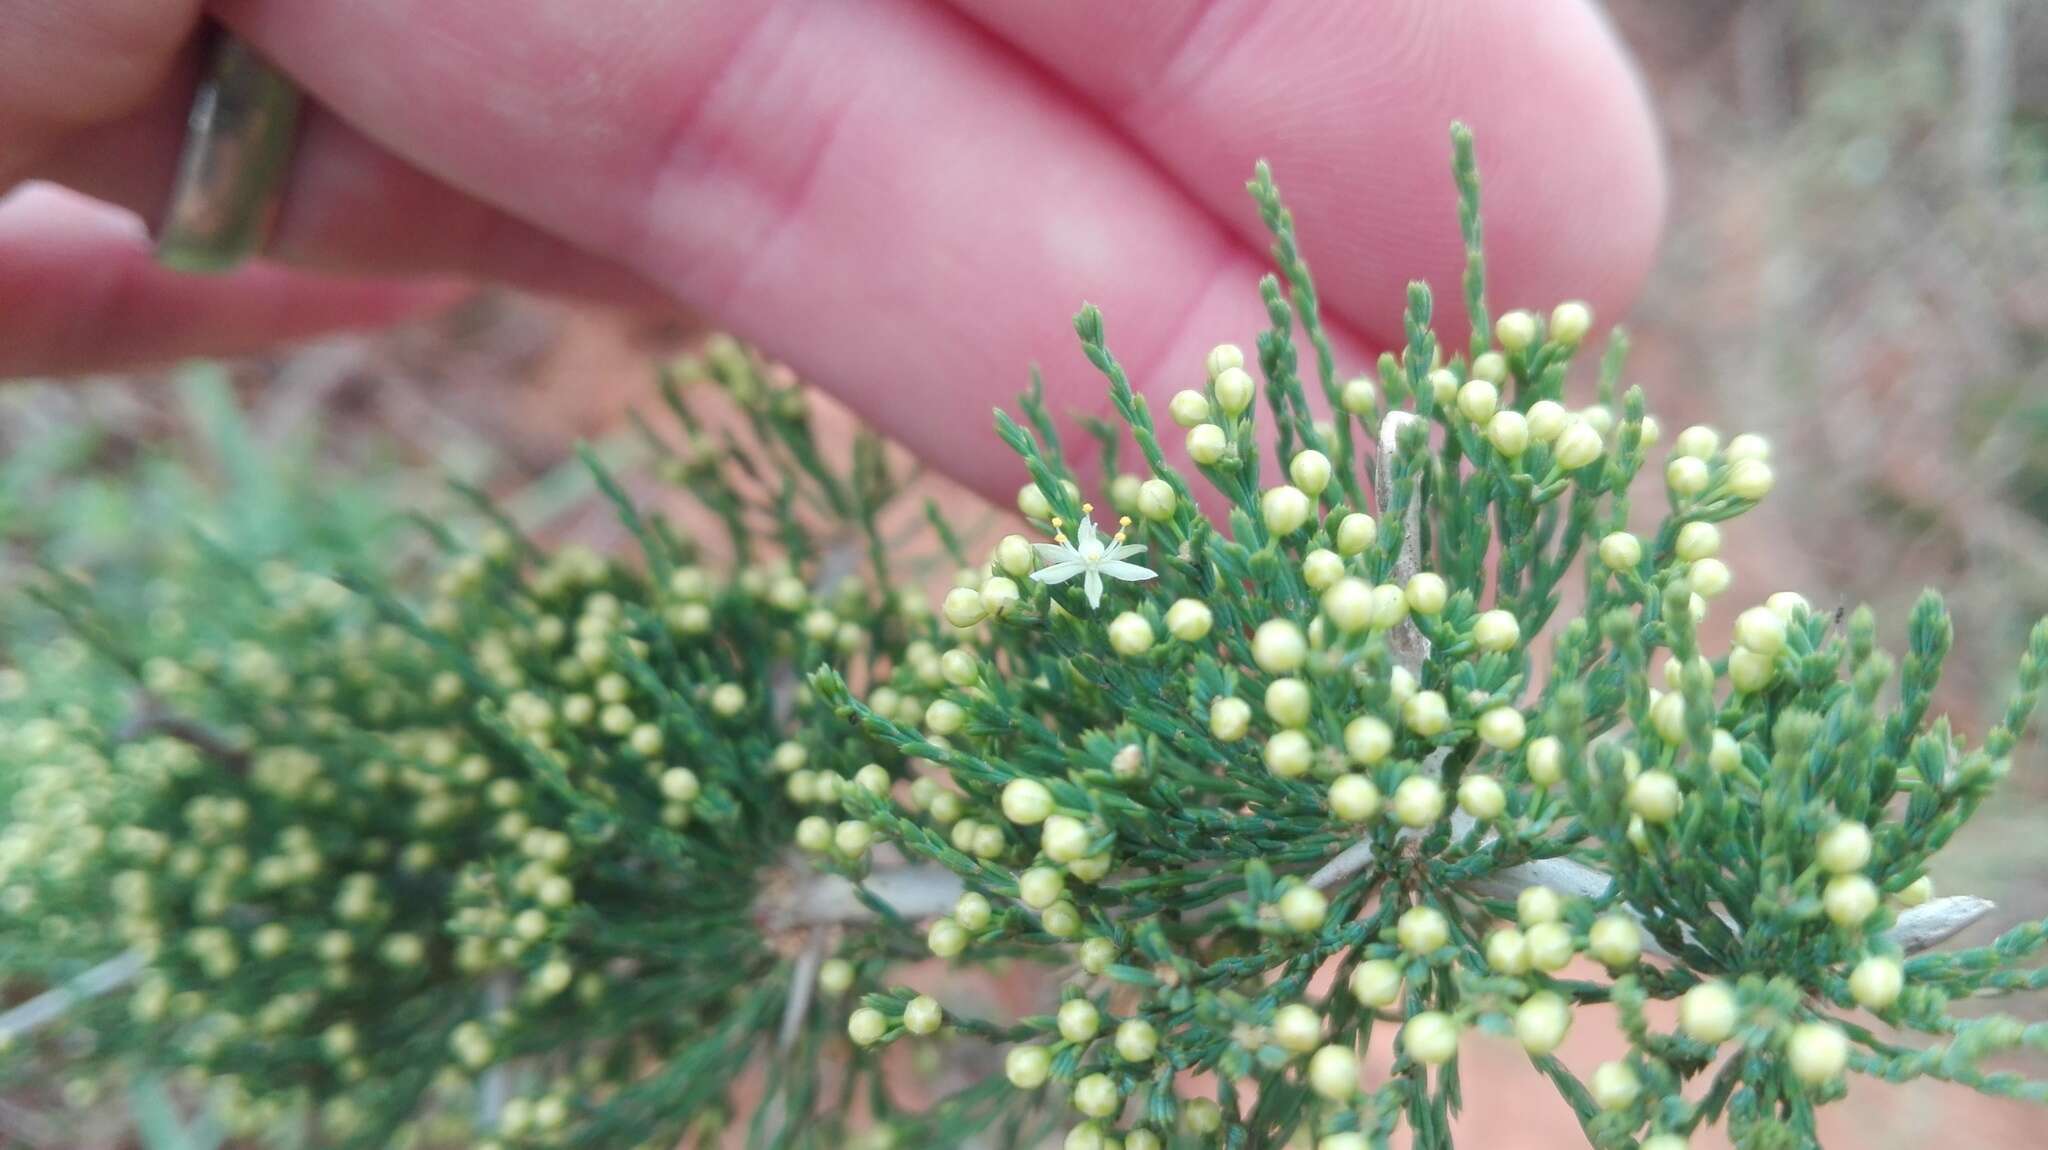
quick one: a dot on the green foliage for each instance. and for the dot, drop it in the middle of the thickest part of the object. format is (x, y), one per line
(561, 849)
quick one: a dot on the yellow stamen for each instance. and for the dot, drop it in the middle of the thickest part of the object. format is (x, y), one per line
(1124, 522)
(1087, 509)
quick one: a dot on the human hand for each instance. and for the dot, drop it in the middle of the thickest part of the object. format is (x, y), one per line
(905, 199)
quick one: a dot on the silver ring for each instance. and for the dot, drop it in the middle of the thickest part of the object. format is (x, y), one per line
(231, 173)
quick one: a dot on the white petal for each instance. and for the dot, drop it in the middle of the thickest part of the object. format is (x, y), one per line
(1054, 553)
(1128, 572)
(1059, 572)
(1123, 549)
(1086, 534)
(1093, 585)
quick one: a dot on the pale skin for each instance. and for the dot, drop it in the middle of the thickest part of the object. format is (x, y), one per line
(905, 199)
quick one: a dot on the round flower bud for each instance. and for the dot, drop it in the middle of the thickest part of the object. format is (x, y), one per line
(1130, 634)
(1389, 606)
(1026, 802)
(1310, 471)
(852, 837)
(1097, 954)
(1207, 443)
(1507, 951)
(1547, 420)
(1223, 357)
(1578, 445)
(1750, 479)
(1502, 728)
(1027, 1067)
(1078, 1020)
(1354, 798)
(1303, 909)
(1665, 1141)
(1708, 1013)
(1478, 400)
(1726, 753)
(1376, 983)
(1877, 982)
(1355, 533)
(1697, 442)
(1481, 797)
(1189, 620)
(1761, 630)
(1156, 500)
(866, 1026)
(1698, 541)
(1654, 795)
(1550, 946)
(944, 717)
(1569, 322)
(1496, 630)
(679, 784)
(1201, 1116)
(1234, 390)
(1686, 476)
(1418, 801)
(1426, 714)
(972, 910)
(1817, 1052)
(1188, 408)
(1136, 1040)
(1788, 604)
(1288, 702)
(1014, 556)
(1033, 503)
(1289, 754)
(1651, 430)
(963, 608)
(1333, 1073)
(1430, 1038)
(1508, 431)
(1844, 848)
(1123, 492)
(1615, 940)
(1427, 593)
(1297, 1028)
(1279, 647)
(1748, 671)
(1748, 447)
(1229, 718)
(1065, 838)
(1491, 366)
(1917, 892)
(1848, 899)
(1359, 397)
(1040, 887)
(1422, 930)
(946, 938)
(1321, 568)
(1349, 605)
(814, 834)
(1615, 1086)
(1443, 388)
(998, 595)
(1545, 760)
(1515, 330)
(1709, 577)
(1542, 1021)
(1368, 740)
(1096, 1096)
(1087, 1136)
(1285, 509)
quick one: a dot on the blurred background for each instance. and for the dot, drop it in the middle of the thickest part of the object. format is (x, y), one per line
(1856, 266)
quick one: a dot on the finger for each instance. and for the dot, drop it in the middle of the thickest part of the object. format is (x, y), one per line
(878, 193)
(79, 291)
(349, 207)
(1351, 104)
(68, 66)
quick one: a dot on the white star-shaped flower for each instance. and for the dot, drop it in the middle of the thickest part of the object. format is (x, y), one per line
(1091, 559)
